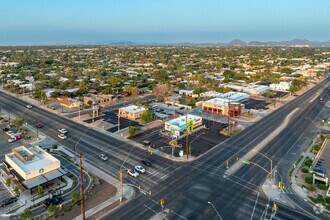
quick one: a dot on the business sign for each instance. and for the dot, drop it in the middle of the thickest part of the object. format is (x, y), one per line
(95, 107)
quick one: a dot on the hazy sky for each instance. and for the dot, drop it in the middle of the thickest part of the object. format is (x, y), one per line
(29, 22)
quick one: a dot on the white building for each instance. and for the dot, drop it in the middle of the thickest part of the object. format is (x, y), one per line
(132, 112)
(234, 96)
(33, 166)
(178, 125)
(282, 86)
(186, 92)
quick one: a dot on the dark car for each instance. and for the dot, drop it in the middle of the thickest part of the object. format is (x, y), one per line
(319, 169)
(8, 201)
(39, 125)
(146, 162)
(53, 201)
(5, 129)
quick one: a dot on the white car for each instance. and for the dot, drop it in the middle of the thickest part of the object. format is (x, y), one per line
(103, 157)
(62, 136)
(63, 131)
(133, 173)
(10, 132)
(140, 169)
(11, 140)
(29, 106)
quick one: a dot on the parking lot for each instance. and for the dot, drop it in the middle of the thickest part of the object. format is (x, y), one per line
(255, 104)
(4, 193)
(200, 141)
(112, 118)
(5, 145)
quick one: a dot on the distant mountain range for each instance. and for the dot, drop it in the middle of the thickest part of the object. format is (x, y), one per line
(236, 42)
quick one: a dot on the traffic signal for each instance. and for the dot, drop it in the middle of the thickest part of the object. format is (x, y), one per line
(249, 162)
(161, 202)
(120, 175)
(236, 158)
(275, 206)
(139, 187)
(150, 152)
(149, 193)
(227, 164)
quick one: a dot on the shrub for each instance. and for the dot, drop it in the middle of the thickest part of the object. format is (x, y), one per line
(317, 147)
(322, 186)
(309, 179)
(308, 162)
(54, 146)
(327, 200)
(310, 188)
(305, 169)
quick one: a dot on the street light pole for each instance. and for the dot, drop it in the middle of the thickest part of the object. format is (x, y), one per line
(75, 146)
(214, 209)
(271, 163)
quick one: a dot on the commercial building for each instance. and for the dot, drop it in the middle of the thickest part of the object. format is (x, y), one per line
(220, 106)
(178, 125)
(33, 166)
(132, 112)
(282, 86)
(68, 103)
(234, 96)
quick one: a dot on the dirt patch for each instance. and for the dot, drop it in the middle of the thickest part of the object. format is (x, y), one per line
(95, 197)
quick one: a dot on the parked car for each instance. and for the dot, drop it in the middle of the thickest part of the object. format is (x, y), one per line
(8, 201)
(63, 131)
(319, 169)
(53, 201)
(5, 129)
(140, 169)
(146, 142)
(11, 140)
(103, 157)
(29, 106)
(9, 132)
(146, 162)
(133, 173)
(39, 125)
(62, 136)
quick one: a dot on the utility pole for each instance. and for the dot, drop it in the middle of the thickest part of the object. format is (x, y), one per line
(228, 117)
(82, 191)
(120, 176)
(187, 146)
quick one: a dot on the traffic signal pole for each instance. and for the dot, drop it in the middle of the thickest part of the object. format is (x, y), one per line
(187, 146)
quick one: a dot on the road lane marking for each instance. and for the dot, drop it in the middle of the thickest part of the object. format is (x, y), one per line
(255, 204)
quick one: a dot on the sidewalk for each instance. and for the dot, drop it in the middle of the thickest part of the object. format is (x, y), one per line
(294, 185)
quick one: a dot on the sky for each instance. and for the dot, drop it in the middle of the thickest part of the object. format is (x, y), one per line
(49, 22)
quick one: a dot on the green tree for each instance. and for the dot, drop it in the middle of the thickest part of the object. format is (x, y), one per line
(199, 90)
(26, 214)
(16, 190)
(132, 130)
(192, 102)
(8, 181)
(147, 117)
(113, 81)
(18, 122)
(52, 209)
(40, 190)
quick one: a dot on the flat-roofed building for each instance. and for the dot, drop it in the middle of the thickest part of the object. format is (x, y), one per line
(220, 106)
(132, 112)
(234, 96)
(33, 166)
(178, 125)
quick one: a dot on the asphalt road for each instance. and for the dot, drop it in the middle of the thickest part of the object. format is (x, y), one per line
(186, 187)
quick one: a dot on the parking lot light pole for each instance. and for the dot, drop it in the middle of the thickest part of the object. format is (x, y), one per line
(214, 209)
